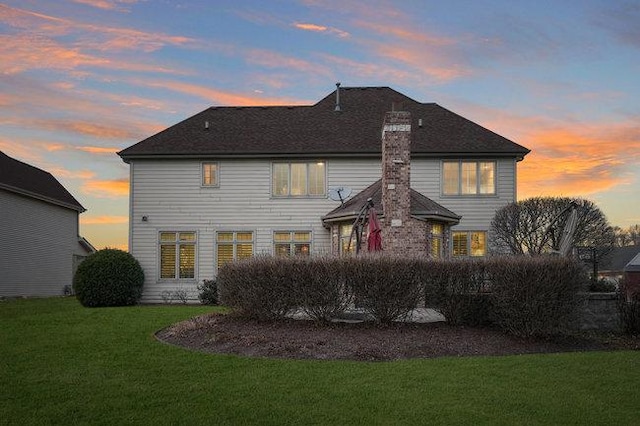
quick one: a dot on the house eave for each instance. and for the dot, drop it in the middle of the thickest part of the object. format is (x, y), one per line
(127, 158)
(40, 197)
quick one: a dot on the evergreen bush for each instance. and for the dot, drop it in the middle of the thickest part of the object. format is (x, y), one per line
(108, 277)
(208, 292)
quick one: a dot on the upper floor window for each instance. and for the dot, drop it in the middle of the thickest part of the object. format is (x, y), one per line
(468, 177)
(469, 243)
(292, 243)
(210, 174)
(298, 179)
(177, 255)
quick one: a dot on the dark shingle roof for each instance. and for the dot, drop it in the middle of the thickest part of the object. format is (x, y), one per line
(320, 130)
(421, 206)
(19, 177)
(618, 258)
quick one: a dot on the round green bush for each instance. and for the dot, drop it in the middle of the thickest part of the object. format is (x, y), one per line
(108, 277)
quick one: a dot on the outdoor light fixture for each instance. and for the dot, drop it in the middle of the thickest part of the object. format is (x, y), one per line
(145, 218)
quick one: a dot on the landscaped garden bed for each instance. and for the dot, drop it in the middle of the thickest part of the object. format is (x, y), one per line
(366, 341)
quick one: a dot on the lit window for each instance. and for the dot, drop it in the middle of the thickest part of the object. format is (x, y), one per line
(298, 179)
(233, 246)
(469, 243)
(177, 255)
(209, 174)
(345, 237)
(468, 177)
(437, 233)
(292, 243)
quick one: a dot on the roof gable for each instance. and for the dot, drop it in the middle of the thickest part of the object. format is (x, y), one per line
(22, 178)
(320, 130)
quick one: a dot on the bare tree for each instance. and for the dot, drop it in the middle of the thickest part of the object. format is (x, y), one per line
(534, 226)
(627, 237)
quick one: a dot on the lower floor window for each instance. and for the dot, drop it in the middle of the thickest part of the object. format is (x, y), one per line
(437, 234)
(177, 255)
(233, 245)
(347, 241)
(292, 243)
(472, 243)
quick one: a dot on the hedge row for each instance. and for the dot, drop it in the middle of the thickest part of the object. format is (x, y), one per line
(522, 295)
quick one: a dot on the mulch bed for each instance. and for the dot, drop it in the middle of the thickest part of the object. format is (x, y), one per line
(365, 341)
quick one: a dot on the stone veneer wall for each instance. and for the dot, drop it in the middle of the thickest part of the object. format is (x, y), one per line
(600, 312)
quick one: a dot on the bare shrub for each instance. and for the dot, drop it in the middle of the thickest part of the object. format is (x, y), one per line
(388, 288)
(629, 310)
(260, 287)
(456, 288)
(534, 296)
(320, 287)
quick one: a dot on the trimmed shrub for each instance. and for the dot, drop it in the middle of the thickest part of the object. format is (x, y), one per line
(260, 287)
(320, 287)
(388, 288)
(629, 311)
(456, 289)
(534, 296)
(108, 277)
(601, 286)
(208, 292)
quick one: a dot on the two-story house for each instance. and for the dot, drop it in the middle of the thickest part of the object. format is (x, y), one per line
(39, 221)
(231, 182)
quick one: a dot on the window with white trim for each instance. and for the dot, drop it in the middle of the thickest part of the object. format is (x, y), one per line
(437, 234)
(292, 243)
(233, 245)
(298, 179)
(177, 255)
(210, 172)
(468, 177)
(345, 238)
(472, 243)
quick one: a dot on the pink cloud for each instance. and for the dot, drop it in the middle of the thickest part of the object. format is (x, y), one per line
(116, 5)
(106, 188)
(217, 96)
(103, 220)
(98, 149)
(320, 29)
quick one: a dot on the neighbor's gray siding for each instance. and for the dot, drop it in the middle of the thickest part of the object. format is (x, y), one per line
(39, 240)
(170, 195)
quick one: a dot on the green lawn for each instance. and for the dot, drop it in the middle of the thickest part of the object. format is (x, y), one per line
(61, 363)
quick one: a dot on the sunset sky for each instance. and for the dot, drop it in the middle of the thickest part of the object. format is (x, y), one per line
(83, 79)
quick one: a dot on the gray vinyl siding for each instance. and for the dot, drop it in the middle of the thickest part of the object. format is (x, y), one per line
(476, 211)
(39, 241)
(170, 195)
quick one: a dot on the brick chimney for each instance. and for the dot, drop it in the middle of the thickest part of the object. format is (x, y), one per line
(396, 167)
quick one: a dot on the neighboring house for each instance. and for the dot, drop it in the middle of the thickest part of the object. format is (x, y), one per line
(231, 182)
(40, 247)
(612, 264)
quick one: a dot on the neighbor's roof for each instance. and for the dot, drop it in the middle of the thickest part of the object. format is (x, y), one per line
(633, 265)
(21, 178)
(420, 206)
(618, 258)
(314, 130)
